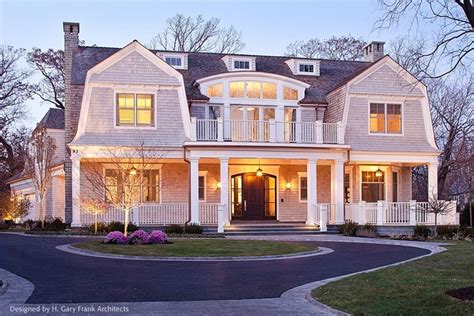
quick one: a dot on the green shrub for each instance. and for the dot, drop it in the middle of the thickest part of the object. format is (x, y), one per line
(118, 226)
(101, 228)
(349, 228)
(448, 230)
(367, 230)
(174, 229)
(55, 225)
(194, 229)
(422, 231)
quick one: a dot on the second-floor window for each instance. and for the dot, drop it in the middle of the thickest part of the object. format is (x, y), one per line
(385, 118)
(241, 64)
(173, 61)
(306, 68)
(135, 110)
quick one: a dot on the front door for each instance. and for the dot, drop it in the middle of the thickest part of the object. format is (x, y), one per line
(253, 196)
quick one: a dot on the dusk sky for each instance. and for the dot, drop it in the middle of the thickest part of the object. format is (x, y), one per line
(267, 26)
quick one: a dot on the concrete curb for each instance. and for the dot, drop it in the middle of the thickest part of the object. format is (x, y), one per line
(83, 252)
(18, 289)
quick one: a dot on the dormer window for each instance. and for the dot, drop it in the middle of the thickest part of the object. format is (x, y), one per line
(306, 68)
(174, 61)
(241, 64)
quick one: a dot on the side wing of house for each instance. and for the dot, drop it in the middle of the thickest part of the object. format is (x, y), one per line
(385, 109)
(133, 98)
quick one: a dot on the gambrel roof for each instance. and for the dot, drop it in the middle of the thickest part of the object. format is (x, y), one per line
(201, 65)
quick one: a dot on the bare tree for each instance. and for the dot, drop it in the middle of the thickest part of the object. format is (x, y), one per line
(406, 51)
(50, 64)
(451, 46)
(14, 92)
(336, 48)
(438, 207)
(125, 182)
(95, 207)
(195, 34)
(39, 165)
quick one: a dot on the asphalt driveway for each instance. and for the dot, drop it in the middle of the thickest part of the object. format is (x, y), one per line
(61, 277)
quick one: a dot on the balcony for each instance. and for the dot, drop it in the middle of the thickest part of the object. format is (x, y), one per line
(271, 131)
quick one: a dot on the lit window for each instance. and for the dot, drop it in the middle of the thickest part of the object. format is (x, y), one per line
(215, 90)
(303, 188)
(373, 187)
(202, 188)
(385, 118)
(173, 61)
(236, 89)
(120, 185)
(269, 90)
(306, 67)
(253, 89)
(241, 64)
(134, 110)
(290, 94)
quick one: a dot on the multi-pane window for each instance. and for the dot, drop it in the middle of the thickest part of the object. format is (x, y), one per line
(290, 94)
(253, 89)
(373, 187)
(236, 89)
(173, 61)
(202, 188)
(306, 67)
(134, 109)
(144, 186)
(215, 90)
(241, 64)
(385, 118)
(269, 90)
(303, 188)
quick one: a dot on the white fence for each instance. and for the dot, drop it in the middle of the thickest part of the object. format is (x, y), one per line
(397, 213)
(149, 214)
(267, 131)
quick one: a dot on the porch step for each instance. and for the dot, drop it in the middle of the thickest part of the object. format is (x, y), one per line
(275, 229)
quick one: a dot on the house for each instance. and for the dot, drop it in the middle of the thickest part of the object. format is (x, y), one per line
(22, 184)
(234, 138)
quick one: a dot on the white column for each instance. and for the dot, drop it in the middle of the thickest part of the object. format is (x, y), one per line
(194, 162)
(339, 189)
(280, 123)
(433, 180)
(76, 190)
(194, 129)
(311, 173)
(224, 178)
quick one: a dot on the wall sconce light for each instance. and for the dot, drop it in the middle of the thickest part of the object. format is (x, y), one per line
(378, 173)
(218, 185)
(133, 171)
(288, 185)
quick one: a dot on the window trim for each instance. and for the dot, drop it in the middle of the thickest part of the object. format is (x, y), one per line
(302, 175)
(159, 167)
(203, 174)
(306, 62)
(135, 93)
(239, 59)
(398, 172)
(385, 133)
(384, 169)
(181, 56)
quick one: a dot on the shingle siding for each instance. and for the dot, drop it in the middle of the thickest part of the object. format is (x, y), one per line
(134, 69)
(100, 123)
(335, 109)
(413, 138)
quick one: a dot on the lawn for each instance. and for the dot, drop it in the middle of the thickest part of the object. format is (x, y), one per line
(202, 248)
(416, 288)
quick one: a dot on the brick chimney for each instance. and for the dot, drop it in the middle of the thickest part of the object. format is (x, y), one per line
(71, 44)
(373, 51)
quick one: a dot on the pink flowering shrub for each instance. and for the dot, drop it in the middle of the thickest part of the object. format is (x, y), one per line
(138, 237)
(157, 237)
(116, 237)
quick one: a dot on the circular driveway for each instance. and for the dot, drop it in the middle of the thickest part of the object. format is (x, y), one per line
(61, 277)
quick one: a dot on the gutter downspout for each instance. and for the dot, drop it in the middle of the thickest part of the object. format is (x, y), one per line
(189, 185)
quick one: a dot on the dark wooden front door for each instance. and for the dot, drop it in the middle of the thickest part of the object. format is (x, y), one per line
(253, 197)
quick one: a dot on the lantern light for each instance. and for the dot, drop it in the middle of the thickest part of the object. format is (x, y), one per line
(259, 170)
(288, 185)
(218, 185)
(133, 171)
(378, 173)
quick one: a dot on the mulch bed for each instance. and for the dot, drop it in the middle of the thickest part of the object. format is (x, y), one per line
(463, 294)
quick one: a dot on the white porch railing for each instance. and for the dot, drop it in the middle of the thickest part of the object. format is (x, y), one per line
(397, 213)
(149, 214)
(267, 131)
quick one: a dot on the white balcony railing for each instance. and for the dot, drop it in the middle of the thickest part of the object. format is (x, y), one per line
(270, 131)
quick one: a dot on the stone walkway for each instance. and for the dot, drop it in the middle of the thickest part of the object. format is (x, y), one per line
(295, 301)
